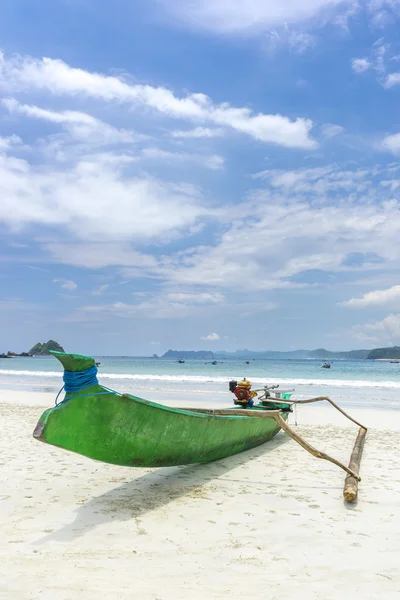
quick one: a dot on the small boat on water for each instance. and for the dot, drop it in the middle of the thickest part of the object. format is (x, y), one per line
(181, 361)
(326, 365)
(122, 429)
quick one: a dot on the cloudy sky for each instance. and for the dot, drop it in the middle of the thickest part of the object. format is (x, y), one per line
(209, 174)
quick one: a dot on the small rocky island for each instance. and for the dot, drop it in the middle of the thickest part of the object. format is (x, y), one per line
(38, 349)
(44, 349)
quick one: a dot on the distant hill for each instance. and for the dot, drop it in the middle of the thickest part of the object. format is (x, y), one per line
(44, 349)
(388, 353)
(319, 354)
(350, 355)
(188, 354)
(262, 354)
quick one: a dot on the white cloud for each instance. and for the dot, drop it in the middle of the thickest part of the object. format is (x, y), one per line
(213, 161)
(360, 65)
(383, 12)
(330, 130)
(287, 229)
(392, 80)
(100, 290)
(392, 143)
(377, 61)
(293, 228)
(55, 77)
(301, 42)
(375, 298)
(158, 307)
(96, 198)
(234, 16)
(66, 284)
(211, 337)
(97, 255)
(198, 132)
(393, 184)
(385, 332)
(199, 298)
(6, 143)
(320, 181)
(80, 126)
(297, 41)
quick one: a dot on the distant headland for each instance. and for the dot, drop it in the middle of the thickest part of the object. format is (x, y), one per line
(38, 349)
(388, 353)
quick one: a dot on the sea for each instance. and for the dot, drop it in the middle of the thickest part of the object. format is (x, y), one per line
(361, 383)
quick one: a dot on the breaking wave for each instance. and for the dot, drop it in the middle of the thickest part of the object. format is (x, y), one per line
(205, 379)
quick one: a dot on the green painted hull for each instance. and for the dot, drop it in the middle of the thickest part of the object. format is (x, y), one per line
(129, 431)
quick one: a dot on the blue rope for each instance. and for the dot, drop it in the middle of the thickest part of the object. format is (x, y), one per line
(76, 381)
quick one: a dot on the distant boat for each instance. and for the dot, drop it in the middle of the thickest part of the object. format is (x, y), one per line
(394, 362)
(181, 361)
(326, 365)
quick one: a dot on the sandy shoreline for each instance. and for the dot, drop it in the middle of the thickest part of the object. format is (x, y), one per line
(270, 522)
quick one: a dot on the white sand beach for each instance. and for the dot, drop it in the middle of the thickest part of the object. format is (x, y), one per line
(268, 523)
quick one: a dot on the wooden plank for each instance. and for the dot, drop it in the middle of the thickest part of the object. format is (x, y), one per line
(228, 412)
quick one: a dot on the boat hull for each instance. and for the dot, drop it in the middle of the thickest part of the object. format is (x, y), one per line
(129, 431)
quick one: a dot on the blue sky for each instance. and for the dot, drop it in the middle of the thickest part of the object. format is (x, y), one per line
(216, 174)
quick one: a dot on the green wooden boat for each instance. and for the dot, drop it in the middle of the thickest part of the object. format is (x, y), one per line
(125, 430)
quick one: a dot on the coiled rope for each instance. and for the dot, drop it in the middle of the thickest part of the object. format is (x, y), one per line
(77, 381)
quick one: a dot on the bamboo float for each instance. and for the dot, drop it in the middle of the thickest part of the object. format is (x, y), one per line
(351, 483)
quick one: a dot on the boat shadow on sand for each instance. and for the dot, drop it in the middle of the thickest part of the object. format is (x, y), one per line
(154, 490)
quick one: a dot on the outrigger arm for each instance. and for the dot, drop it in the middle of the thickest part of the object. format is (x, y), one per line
(351, 483)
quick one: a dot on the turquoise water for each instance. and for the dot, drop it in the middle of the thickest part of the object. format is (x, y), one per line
(364, 383)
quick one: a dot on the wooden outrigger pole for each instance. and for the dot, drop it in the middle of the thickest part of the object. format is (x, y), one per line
(353, 470)
(351, 484)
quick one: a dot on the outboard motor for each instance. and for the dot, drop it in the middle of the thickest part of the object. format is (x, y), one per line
(243, 393)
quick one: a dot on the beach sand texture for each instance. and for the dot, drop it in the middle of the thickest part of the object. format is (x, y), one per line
(268, 523)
